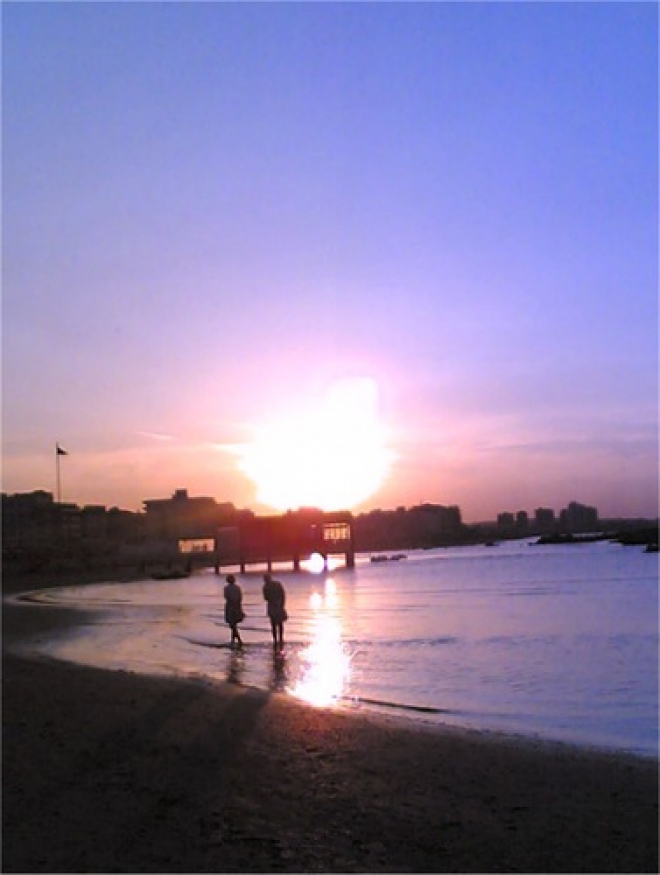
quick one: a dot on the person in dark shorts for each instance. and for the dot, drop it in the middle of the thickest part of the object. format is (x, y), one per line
(275, 597)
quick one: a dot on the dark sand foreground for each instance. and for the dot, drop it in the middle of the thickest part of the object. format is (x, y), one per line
(114, 772)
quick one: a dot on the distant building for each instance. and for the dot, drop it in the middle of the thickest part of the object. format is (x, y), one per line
(544, 520)
(522, 523)
(433, 522)
(183, 517)
(578, 518)
(506, 524)
(94, 522)
(124, 525)
(30, 520)
(426, 525)
(34, 522)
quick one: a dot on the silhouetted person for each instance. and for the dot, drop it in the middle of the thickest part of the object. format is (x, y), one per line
(275, 597)
(233, 607)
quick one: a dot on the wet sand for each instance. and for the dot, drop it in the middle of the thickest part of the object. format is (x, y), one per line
(116, 772)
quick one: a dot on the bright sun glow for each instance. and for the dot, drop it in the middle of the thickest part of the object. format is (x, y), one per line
(333, 458)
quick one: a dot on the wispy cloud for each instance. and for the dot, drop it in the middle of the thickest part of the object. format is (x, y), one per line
(620, 446)
(157, 436)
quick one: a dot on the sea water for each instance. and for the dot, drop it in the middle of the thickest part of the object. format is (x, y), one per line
(554, 641)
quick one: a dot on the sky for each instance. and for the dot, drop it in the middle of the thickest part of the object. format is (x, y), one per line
(355, 254)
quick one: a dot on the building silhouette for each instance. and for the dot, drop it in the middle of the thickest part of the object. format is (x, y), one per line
(578, 518)
(35, 525)
(545, 521)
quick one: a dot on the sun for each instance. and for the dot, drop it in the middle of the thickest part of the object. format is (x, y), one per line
(332, 458)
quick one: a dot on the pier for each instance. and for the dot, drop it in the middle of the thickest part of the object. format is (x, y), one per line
(290, 537)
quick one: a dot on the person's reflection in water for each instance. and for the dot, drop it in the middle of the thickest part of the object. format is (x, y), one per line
(235, 667)
(279, 674)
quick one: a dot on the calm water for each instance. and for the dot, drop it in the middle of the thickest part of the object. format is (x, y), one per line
(555, 641)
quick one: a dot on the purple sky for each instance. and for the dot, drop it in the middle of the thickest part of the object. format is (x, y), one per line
(213, 211)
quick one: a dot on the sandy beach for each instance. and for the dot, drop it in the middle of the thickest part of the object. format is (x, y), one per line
(116, 772)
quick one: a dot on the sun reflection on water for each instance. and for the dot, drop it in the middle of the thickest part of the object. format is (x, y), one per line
(317, 563)
(325, 662)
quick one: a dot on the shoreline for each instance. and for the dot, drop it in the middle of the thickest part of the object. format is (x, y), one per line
(114, 771)
(24, 591)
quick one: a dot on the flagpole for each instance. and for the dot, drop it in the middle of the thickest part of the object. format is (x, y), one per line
(57, 472)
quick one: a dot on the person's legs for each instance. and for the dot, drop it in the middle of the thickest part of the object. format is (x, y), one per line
(273, 630)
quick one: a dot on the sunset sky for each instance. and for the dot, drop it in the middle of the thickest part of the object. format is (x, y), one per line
(417, 242)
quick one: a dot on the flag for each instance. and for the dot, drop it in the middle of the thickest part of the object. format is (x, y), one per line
(59, 451)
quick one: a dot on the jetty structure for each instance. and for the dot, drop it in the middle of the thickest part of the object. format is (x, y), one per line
(290, 537)
(220, 535)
